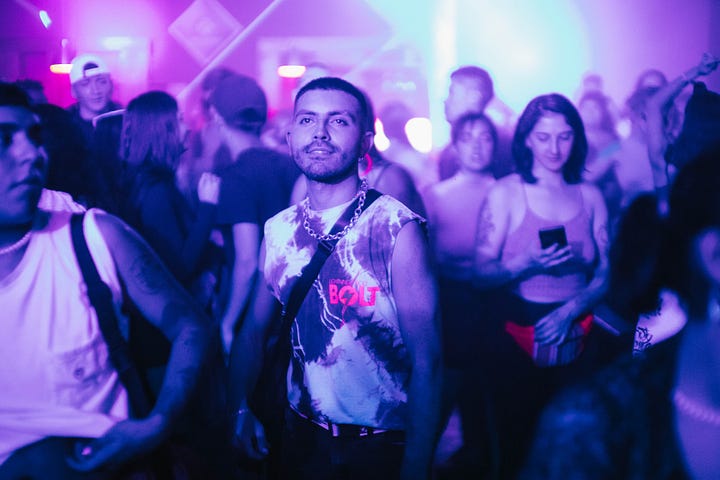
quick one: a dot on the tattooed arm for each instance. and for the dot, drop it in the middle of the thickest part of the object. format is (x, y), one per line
(492, 228)
(497, 218)
(167, 306)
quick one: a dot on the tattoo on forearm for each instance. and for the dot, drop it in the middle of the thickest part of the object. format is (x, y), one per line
(485, 227)
(148, 273)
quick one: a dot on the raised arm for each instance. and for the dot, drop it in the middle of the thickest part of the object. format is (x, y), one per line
(165, 304)
(655, 118)
(418, 318)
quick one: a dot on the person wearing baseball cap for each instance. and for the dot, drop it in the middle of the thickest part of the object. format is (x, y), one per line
(92, 87)
(255, 187)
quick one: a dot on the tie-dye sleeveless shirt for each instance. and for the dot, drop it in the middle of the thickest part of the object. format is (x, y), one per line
(349, 364)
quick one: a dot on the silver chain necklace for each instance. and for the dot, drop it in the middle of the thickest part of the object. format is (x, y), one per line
(362, 193)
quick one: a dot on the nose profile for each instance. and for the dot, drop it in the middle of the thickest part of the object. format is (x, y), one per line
(25, 149)
(321, 131)
(554, 146)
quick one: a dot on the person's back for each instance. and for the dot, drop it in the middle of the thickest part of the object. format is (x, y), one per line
(261, 174)
(152, 141)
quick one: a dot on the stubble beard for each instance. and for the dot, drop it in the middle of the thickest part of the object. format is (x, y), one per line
(346, 169)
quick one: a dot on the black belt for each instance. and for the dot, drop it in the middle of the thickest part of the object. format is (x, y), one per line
(345, 429)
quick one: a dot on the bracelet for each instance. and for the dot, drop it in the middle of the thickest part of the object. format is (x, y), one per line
(241, 412)
(685, 78)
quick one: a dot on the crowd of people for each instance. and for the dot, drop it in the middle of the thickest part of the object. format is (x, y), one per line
(554, 283)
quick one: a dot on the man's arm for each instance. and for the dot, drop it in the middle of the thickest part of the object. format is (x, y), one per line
(246, 240)
(165, 304)
(415, 292)
(246, 359)
(655, 115)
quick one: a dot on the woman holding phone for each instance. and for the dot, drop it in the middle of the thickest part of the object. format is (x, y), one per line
(552, 284)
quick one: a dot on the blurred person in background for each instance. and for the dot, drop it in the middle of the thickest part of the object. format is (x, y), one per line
(603, 143)
(471, 90)
(394, 117)
(470, 332)
(92, 86)
(256, 185)
(152, 141)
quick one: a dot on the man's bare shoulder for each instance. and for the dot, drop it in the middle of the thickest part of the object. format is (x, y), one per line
(112, 228)
(507, 188)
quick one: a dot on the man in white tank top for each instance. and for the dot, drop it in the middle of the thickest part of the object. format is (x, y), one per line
(56, 378)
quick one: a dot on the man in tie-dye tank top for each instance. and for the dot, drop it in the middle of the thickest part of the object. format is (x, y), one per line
(363, 379)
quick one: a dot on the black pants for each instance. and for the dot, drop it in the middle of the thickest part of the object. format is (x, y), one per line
(311, 452)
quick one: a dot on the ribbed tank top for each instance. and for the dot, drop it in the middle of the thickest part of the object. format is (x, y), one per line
(561, 282)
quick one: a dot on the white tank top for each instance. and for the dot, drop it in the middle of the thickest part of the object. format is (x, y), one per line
(55, 375)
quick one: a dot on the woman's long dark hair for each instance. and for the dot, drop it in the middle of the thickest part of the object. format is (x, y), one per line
(150, 148)
(151, 132)
(539, 106)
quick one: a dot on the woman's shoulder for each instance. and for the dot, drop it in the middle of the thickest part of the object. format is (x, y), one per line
(592, 195)
(509, 185)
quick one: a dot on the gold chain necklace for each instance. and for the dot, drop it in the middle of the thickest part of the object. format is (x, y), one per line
(361, 195)
(17, 245)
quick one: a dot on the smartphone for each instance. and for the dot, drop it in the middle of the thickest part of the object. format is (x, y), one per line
(551, 236)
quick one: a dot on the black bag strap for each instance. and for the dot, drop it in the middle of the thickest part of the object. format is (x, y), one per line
(325, 248)
(278, 346)
(101, 299)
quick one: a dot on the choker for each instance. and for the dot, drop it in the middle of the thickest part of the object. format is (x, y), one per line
(360, 195)
(17, 245)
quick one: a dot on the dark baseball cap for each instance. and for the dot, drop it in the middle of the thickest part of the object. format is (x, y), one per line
(240, 102)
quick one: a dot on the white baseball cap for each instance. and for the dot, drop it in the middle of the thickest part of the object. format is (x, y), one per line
(87, 65)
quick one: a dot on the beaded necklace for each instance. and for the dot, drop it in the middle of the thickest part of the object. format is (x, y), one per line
(17, 245)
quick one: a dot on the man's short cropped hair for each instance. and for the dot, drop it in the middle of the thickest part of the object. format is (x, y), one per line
(334, 83)
(479, 76)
